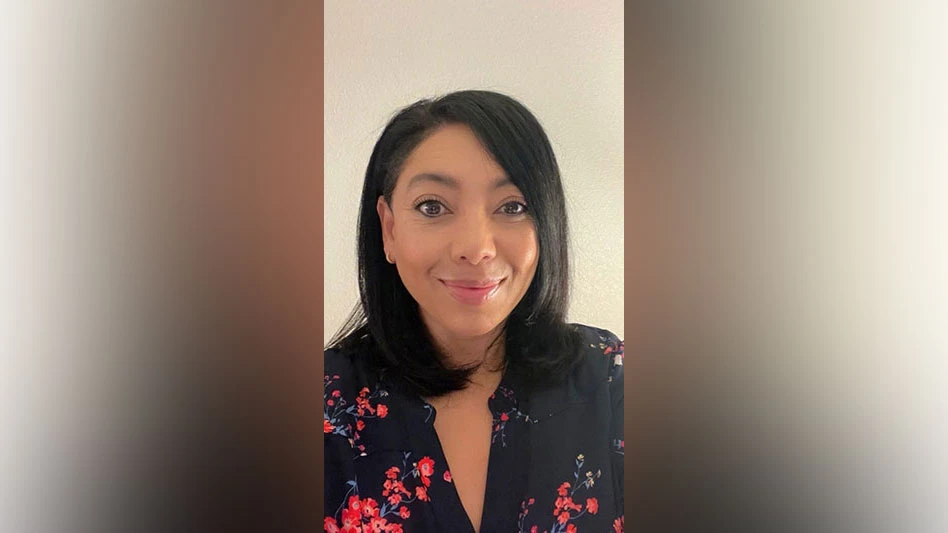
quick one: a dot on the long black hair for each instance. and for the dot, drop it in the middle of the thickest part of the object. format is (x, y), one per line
(386, 324)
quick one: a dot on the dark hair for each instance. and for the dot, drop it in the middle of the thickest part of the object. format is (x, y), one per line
(539, 345)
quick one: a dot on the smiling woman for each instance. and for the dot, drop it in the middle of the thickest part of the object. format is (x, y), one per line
(457, 398)
(465, 247)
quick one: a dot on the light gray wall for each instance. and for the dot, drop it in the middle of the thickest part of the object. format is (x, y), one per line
(563, 60)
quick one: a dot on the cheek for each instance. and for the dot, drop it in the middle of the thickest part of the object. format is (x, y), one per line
(416, 251)
(522, 250)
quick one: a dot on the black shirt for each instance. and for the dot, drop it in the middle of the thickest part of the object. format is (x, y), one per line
(556, 456)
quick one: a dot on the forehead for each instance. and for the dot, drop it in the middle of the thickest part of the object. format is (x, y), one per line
(455, 151)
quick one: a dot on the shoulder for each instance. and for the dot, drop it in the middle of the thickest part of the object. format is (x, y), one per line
(347, 369)
(599, 346)
(595, 336)
(351, 359)
(600, 358)
(338, 367)
(352, 394)
(338, 364)
(347, 372)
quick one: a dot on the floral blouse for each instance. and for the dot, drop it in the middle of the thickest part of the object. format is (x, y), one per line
(555, 466)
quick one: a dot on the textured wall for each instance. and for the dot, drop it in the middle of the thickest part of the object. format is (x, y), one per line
(563, 60)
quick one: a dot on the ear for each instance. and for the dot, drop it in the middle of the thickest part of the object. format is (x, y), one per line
(387, 218)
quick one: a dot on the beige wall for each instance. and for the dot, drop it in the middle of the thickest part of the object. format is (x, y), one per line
(563, 60)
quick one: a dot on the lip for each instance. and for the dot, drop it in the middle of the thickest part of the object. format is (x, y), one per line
(472, 292)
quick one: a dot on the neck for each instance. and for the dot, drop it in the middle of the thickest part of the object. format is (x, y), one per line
(485, 350)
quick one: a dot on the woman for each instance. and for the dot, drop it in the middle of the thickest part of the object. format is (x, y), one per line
(456, 396)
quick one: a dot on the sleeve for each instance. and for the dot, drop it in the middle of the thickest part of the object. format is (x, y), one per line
(617, 429)
(338, 462)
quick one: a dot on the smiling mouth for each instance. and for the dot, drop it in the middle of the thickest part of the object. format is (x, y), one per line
(473, 292)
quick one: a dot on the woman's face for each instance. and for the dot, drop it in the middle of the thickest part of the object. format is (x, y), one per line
(460, 235)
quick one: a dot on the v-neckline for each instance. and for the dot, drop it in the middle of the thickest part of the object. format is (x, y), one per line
(453, 511)
(453, 494)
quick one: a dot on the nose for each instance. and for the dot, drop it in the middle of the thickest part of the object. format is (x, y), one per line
(473, 240)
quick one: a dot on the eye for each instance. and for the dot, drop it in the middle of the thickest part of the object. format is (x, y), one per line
(431, 208)
(513, 208)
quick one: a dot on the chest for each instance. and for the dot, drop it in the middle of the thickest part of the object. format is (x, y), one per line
(465, 436)
(486, 469)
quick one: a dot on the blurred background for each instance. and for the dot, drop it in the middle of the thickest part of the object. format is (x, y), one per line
(784, 266)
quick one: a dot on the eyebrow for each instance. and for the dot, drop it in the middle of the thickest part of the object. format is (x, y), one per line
(450, 182)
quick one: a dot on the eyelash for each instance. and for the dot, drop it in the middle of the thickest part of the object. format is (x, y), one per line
(522, 207)
(424, 201)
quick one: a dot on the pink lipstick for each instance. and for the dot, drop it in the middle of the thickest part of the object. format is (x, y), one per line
(472, 292)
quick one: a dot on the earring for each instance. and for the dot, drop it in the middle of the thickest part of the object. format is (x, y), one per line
(389, 258)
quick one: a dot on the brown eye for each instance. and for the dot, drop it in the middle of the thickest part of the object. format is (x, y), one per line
(513, 208)
(431, 208)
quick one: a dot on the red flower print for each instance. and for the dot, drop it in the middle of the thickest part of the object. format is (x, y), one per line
(447, 476)
(619, 524)
(566, 502)
(378, 525)
(565, 509)
(426, 466)
(344, 419)
(592, 505)
(365, 515)
(562, 491)
(533, 529)
(400, 487)
(370, 507)
(504, 417)
(421, 493)
(350, 519)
